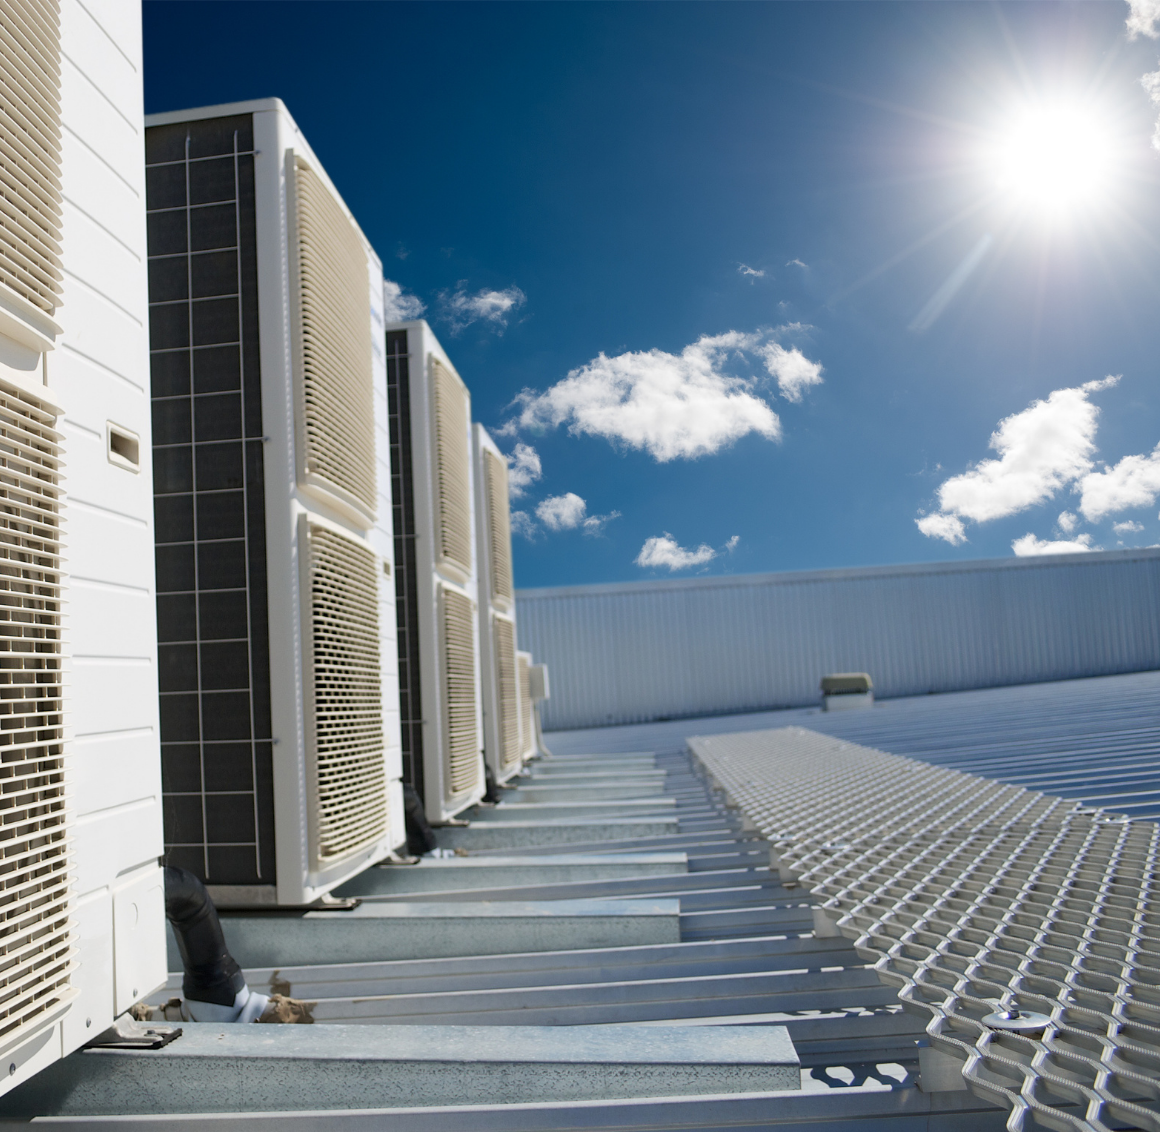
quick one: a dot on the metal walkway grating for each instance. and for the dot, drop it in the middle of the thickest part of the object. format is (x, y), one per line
(1023, 929)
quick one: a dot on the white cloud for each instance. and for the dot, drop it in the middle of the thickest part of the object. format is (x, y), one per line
(1067, 522)
(795, 263)
(745, 269)
(1029, 544)
(665, 551)
(1151, 83)
(524, 468)
(562, 512)
(398, 307)
(1133, 482)
(944, 527)
(1143, 18)
(1041, 449)
(523, 524)
(1129, 526)
(793, 370)
(669, 405)
(462, 309)
(731, 545)
(594, 525)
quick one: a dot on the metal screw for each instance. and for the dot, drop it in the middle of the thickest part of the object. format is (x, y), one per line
(12, 1069)
(88, 1022)
(134, 992)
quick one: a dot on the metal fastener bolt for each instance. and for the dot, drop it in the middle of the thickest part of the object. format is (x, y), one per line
(12, 1069)
(88, 1022)
(1026, 1022)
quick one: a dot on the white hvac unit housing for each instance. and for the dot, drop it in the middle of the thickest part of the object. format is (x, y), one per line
(82, 918)
(439, 661)
(279, 695)
(502, 739)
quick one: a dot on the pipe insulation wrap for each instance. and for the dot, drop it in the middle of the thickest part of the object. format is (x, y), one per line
(212, 976)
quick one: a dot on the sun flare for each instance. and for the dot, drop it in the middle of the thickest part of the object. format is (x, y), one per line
(1055, 157)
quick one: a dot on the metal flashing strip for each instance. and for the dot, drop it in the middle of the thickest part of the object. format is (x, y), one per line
(1025, 928)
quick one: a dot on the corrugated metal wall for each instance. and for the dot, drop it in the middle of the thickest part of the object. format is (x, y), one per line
(644, 651)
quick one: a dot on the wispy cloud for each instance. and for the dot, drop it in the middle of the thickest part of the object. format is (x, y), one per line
(664, 551)
(398, 306)
(1133, 482)
(1127, 527)
(795, 263)
(594, 525)
(1143, 18)
(1043, 448)
(731, 545)
(524, 468)
(673, 406)
(745, 269)
(1067, 522)
(1029, 544)
(524, 525)
(495, 307)
(793, 370)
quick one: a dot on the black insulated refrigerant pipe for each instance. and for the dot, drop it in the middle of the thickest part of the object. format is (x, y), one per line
(211, 973)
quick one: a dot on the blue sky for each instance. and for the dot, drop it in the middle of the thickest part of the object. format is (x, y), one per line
(640, 229)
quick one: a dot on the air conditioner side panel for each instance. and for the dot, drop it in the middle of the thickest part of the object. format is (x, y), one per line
(273, 137)
(110, 626)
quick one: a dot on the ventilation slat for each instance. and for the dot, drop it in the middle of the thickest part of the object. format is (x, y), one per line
(337, 395)
(453, 467)
(499, 528)
(350, 772)
(527, 712)
(463, 762)
(30, 151)
(507, 692)
(36, 944)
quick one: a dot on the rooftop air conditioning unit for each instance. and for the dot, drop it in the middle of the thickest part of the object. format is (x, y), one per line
(502, 741)
(279, 719)
(435, 583)
(82, 930)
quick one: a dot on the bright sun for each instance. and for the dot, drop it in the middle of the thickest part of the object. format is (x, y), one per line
(1055, 158)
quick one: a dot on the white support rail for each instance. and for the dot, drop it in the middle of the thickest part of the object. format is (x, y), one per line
(1024, 927)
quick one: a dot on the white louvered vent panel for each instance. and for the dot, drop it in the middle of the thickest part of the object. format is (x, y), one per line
(452, 468)
(337, 396)
(351, 806)
(463, 766)
(527, 711)
(30, 151)
(36, 948)
(507, 696)
(499, 529)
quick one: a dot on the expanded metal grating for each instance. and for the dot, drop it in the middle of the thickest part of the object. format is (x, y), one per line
(978, 900)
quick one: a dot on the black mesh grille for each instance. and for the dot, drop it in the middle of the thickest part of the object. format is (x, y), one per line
(407, 605)
(209, 504)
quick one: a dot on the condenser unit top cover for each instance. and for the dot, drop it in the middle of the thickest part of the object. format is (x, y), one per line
(336, 395)
(350, 805)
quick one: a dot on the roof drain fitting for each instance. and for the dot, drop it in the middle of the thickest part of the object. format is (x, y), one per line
(214, 987)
